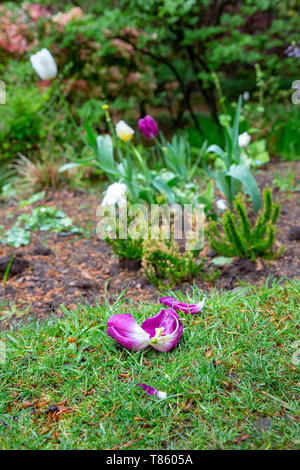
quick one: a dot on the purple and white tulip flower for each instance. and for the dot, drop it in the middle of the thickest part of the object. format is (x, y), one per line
(181, 306)
(153, 391)
(162, 332)
(148, 126)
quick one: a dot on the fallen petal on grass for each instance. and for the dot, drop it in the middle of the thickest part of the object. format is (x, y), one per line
(153, 391)
(181, 306)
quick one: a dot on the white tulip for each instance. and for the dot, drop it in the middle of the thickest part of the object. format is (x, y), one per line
(246, 95)
(244, 139)
(44, 64)
(221, 204)
(115, 194)
(124, 132)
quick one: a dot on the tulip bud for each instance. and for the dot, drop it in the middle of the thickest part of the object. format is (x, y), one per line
(44, 64)
(148, 126)
(115, 194)
(244, 139)
(123, 131)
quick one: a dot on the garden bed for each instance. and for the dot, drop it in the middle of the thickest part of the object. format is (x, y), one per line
(56, 269)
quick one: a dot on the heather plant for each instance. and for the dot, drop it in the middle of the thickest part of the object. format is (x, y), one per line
(163, 264)
(239, 236)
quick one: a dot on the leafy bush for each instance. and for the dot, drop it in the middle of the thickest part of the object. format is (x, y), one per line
(21, 126)
(239, 238)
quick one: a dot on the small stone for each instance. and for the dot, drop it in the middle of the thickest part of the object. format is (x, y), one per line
(294, 233)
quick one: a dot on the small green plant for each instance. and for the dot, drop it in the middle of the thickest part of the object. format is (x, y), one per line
(4, 280)
(129, 248)
(41, 218)
(240, 238)
(285, 182)
(163, 264)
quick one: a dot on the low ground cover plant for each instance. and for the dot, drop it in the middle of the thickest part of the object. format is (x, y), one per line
(42, 218)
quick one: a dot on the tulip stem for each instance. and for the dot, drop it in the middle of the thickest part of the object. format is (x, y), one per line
(71, 117)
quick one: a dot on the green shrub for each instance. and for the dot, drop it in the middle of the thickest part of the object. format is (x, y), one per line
(21, 123)
(242, 239)
(163, 264)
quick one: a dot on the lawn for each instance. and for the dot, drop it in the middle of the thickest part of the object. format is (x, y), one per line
(231, 381)
(148, 150)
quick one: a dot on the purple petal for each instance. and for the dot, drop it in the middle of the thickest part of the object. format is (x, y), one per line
(181, 306)
(148, 126)
(164, 330)
(127, 332)
(153, 391)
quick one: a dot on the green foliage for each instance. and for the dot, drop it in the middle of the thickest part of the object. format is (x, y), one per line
(285, 182)
(163, 264)
(160, 52)
(129, 248)
(21, 126)
(257, 153)
(285, 131)
(239, 237)
(5, 174)
(234, 171)
(33, 199)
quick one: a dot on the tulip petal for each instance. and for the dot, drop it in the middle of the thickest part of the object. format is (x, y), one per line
(153, 391)
(181, 306)
(164, 330)
(127, 332)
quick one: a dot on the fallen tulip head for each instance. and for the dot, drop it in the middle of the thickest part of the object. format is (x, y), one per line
(162, 332)
(181, 306)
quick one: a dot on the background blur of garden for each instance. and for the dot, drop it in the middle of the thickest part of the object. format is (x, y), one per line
(155, 57)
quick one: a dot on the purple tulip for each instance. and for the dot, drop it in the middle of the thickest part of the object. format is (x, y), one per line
(162, 331)
(127, 332)
(153, 391)
(148, 126)
(181, 306)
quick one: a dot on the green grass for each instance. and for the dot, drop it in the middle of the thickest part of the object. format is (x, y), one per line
(231, 381)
